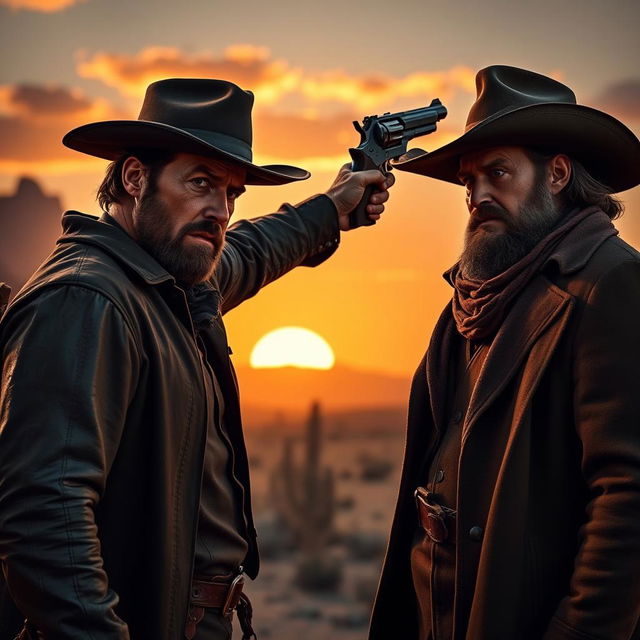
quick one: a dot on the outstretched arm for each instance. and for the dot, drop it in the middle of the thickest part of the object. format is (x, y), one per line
(260, 250)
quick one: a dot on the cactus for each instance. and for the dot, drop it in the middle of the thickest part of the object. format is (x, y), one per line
(304, 495)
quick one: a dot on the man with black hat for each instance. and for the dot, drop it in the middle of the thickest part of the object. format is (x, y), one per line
(519, 508)
(124, 486)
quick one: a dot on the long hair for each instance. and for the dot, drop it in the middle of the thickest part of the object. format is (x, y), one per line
(582, 190)
(112, 191)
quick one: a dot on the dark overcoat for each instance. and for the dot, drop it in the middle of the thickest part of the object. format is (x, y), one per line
(103, 422)
(558, 498)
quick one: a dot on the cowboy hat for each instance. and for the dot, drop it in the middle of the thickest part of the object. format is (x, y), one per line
(200, 116)
(522, 108)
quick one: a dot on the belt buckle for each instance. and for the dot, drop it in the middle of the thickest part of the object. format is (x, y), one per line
(233, 595)
(431, 516)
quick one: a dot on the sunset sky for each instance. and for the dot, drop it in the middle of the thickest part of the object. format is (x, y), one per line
(314, 67)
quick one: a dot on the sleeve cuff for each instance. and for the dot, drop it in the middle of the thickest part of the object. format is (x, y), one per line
(320, 217)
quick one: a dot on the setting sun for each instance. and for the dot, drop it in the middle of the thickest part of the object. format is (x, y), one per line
(292, 347)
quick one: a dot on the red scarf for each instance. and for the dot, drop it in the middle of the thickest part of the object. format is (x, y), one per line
(480, 307)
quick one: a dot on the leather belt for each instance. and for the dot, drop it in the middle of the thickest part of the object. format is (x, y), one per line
(219, 592)
(216, 593)
(433, 516)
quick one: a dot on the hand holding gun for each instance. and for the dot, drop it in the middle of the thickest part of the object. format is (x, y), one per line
(385, 137)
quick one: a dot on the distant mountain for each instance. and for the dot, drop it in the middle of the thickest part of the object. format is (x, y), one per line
(341, 389)
(29, 227)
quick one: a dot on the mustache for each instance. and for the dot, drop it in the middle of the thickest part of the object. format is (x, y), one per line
(204, 226)
(484, 212)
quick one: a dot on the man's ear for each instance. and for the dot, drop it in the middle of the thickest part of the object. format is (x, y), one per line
(134, 176)
(559, 173)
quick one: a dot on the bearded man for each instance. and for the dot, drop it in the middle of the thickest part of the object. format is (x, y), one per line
(519, 508)
(124, 487)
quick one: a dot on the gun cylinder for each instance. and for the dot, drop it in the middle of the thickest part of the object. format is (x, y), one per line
(409, 124)
(389, 133)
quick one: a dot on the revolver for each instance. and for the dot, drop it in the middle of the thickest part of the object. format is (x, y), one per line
(385, 137)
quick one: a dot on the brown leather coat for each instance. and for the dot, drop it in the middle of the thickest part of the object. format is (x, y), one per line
(559, 501)
(103, 418)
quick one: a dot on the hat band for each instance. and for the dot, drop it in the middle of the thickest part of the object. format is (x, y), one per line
(231, 145)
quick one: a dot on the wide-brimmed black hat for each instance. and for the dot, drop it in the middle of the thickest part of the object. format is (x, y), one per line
(522, 108)
(201, 116)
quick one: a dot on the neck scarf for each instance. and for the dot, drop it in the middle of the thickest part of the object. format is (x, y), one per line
(480, 307)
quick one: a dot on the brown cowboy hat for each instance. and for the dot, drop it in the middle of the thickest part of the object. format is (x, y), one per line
(523, 108)
(201, 116)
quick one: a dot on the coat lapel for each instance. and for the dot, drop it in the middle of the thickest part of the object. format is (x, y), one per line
(538, 316)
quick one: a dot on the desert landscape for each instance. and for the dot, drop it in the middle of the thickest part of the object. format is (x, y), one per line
(324, 492)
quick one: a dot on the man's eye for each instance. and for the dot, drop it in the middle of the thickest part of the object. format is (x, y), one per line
(497, 173)
(200, 182)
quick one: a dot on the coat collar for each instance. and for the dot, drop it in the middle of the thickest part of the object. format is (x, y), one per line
(105, 233)
(538, 315)
(203, 300)
(109, 236)
(575, 249)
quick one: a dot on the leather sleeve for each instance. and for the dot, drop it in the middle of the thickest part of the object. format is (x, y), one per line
(261, 250)
(603, 601)
(69, 370)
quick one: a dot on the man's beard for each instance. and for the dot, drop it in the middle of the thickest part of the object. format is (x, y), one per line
(485, 255)
(187, 264)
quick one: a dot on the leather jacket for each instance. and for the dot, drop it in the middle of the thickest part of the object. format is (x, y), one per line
(103, 422)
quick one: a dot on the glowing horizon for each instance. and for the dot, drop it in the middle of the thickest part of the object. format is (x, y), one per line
(292, 347)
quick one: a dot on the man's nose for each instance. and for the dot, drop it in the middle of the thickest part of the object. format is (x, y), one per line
(477, 194)
(217, 207)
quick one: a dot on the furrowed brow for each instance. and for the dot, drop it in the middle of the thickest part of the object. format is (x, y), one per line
(203, 168)
(238, 188)
(496, 162)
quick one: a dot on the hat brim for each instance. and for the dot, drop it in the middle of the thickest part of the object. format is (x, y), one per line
(605, 146)
(111, 138)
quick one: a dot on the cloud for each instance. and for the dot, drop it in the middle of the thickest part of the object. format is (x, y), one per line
(299, 116)
(32, 100)
(368, 91)
(45, 6)
(298, 137)
(275, 82)
(23, 140)
(621, 99)
(246, 65)
(33, 119)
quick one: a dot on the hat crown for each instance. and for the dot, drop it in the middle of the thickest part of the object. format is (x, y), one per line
(201, 116)
(202, 104)
(501, 88)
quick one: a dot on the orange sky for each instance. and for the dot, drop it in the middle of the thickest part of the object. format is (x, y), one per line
(375, 302)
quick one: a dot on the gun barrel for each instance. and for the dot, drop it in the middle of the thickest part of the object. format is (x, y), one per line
(395, 127)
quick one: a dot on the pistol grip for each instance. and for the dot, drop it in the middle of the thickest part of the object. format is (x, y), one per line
(359, 216)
